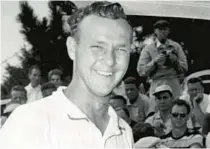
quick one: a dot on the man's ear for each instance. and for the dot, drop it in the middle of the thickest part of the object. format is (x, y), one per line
(71, 47)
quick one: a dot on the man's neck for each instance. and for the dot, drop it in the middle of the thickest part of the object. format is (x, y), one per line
(134, 100)
(178, 132)
(165, 114)
(34, 86)
(91, 104)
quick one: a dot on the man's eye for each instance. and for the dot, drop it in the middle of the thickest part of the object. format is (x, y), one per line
(96, 47)
(124, 50)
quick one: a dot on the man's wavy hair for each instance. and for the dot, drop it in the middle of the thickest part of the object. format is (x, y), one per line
(103, 9)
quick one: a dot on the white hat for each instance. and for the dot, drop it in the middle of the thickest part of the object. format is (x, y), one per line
(162, 88)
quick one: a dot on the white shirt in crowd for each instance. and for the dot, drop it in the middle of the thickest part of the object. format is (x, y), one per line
(55, 122)
(33, 93)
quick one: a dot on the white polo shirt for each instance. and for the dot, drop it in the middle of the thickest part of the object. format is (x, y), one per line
(33, 93)
(55, 122)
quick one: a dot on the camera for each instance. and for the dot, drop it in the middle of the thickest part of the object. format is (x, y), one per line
(167, 52)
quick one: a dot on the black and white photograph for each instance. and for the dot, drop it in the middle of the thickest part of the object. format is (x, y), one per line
(105, 74)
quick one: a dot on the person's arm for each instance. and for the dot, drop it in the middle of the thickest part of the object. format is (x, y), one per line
(180, 62)
(197, 110)
(145, 64)
(206, 124)
(195, 146)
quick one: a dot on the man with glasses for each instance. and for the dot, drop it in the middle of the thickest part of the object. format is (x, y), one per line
(197, 100)
(181, 136)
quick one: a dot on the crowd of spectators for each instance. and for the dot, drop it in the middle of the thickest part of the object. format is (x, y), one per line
(179, 119)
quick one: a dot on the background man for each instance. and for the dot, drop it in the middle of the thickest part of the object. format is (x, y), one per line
(138, 107)
(55, 76)
(180, 136)
(18, 94)
(48, 88)
(80, 116)
(118, 101)
(34, 88)
(161, 119)
(197, 100)
(163, 61)
(206, 122)
(18, 97)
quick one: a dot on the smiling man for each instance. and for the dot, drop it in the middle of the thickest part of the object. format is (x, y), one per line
(80, 116)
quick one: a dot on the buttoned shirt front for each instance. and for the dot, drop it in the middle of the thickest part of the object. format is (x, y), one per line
(55, 122)
(33, 93)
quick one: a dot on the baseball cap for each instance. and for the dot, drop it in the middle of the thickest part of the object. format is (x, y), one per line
(161, 24)
(162, 88)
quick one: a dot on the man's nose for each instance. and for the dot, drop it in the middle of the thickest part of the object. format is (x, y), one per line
(109, 58)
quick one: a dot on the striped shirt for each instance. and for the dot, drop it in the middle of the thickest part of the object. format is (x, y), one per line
(189, 138)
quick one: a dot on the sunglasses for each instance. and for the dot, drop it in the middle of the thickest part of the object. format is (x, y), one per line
(182, 115)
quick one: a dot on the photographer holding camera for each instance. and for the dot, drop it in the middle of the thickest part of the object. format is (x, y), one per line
(163, 61)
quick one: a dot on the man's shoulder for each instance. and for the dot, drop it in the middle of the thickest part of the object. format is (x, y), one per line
(27, 87)
(149, 47)
(151, 118)
(38, 106)
(174, 43)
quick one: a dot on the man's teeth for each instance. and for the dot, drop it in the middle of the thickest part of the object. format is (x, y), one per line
(104, 73)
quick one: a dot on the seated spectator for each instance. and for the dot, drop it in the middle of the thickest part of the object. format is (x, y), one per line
(47, 89)
(206, 122)
(181, 136)
(138, 107)
(124, 114)
(10, 107)
(117, 101)
(18, 94)
(161, 119)
(34, 88)
(197, 100)
(55, 76)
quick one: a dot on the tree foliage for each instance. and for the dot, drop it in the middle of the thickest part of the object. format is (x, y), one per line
(47, 41)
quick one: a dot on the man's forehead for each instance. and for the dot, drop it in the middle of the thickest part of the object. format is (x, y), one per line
(98, 23)
(178, 108)
(192, 85)
(15, 92)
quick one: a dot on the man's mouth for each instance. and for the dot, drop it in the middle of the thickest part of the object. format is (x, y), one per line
(104, 73)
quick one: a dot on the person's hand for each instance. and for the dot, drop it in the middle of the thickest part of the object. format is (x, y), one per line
(160, 59)
(159, 129)
(173, 57)
(197, 99)
(147, 142)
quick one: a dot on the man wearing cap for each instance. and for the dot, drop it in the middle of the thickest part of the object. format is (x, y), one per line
(163, 61)
(161, 119)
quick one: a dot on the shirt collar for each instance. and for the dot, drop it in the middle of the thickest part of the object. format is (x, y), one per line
(158, 43)
(74, 113)
(34, 88)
